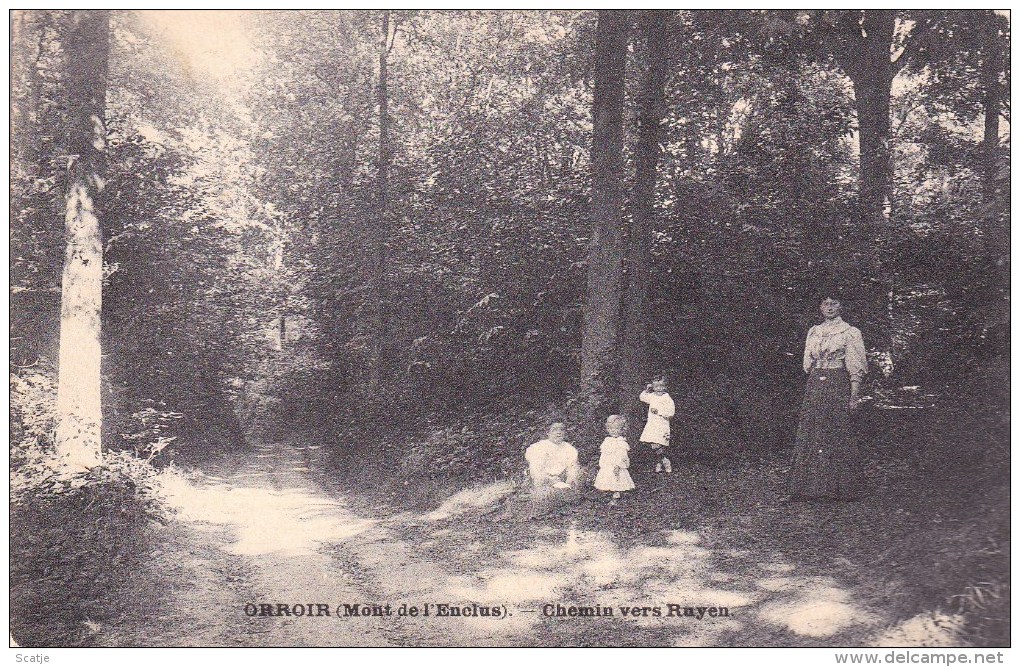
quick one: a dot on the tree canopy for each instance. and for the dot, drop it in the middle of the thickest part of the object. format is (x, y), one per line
(332, 216)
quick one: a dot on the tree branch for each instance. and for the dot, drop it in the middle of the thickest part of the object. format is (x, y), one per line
(919, 37)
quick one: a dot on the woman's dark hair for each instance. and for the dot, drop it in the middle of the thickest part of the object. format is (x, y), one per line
(835, 291)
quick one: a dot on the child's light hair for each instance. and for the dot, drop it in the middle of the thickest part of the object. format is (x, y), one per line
(616, 421)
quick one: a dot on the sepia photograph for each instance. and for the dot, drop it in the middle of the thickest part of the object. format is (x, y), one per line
(510, 328)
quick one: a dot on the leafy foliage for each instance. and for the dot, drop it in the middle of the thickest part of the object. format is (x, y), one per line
(242, 206)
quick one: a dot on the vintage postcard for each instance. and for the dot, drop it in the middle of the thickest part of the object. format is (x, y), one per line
(510, 328)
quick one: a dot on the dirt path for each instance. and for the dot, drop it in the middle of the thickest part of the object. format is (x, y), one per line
(261, 530)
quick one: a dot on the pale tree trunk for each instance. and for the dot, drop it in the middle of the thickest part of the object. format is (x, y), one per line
(637, 262)
(602, 305)
(278, 268)
(79, 407)
(377, 322)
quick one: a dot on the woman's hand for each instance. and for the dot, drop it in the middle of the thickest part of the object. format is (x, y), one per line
(855, 399)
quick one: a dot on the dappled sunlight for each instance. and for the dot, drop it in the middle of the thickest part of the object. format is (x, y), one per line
(363, 274)
(607, 568)
(576, 546)
(593, 568)
(565, 565)
(273, 507)
(289, 521)
(778, 568)
(514, 587)
(812, 607)
(930, 629)
(682, 537)
(677, 560)
(472, 499)
(777, 584)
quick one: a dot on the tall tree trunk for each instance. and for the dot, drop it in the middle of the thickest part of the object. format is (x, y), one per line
(865, 52)
(26, 29)
(602, 305)
(871, 71)
(637, 262)
(997, 235)
(377, 322)
(873, 101)
(79, 406)
(873, 90)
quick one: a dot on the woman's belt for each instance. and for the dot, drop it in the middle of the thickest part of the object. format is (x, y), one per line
(829, 365)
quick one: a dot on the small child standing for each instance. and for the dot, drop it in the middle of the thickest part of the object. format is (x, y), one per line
(614, 461)
(660, 410)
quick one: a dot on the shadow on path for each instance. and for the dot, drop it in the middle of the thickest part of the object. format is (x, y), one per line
(301, 544)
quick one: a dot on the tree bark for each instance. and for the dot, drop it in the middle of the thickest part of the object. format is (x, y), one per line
(997, 235)
(377, 322)
(637, 261)
(26, 27)
(873, 101)
(79, 406)
(871, 70)
(602, 305)
(863, 45)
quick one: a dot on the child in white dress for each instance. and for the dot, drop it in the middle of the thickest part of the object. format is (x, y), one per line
(660, 411)
(614, 461)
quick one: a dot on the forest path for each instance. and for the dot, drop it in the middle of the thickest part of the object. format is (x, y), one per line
(260, 528)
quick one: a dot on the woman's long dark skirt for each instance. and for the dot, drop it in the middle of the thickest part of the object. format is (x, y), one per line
(826, 461)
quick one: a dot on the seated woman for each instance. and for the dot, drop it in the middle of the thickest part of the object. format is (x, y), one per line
(552, 463)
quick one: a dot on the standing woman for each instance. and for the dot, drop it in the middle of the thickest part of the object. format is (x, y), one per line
(825, 456)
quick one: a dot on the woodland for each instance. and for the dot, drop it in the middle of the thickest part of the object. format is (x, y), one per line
(403, 242)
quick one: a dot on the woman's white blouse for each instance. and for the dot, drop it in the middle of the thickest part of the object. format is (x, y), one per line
(833, 344)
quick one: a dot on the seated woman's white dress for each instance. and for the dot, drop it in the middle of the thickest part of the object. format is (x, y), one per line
(552, 464)
(613, 463)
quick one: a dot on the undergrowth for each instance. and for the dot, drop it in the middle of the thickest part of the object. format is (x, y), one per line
(77, 538)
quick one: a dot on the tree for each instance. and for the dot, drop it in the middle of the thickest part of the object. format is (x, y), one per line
(602, 303)
(871, 47)
(78, 434)
(863, 49)
(991, 73)
(377, 322)
(637, 262)
(26, 39)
